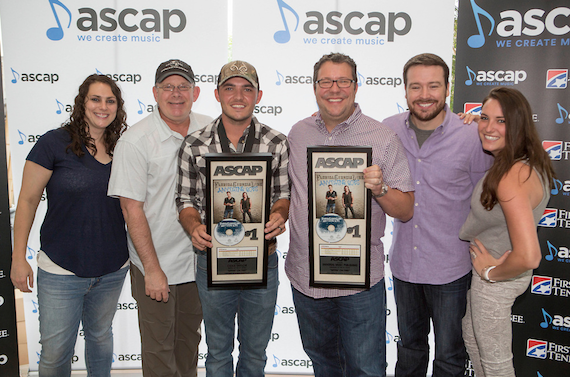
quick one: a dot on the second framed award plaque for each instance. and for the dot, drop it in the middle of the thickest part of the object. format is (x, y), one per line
(339, 217)
(237, 207)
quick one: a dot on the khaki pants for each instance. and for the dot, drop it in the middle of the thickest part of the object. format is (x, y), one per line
(170, 332)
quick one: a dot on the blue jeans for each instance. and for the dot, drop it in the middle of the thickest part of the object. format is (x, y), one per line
(63, 302)
(228, 213)
(445, 305)
(344, 336)
(255, 309)
(331, 208)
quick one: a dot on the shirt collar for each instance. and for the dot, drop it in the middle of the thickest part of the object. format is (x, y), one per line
(341, 127)
(211, 133)
(164, 132)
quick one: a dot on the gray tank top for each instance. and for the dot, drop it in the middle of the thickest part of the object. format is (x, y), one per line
(490, 227)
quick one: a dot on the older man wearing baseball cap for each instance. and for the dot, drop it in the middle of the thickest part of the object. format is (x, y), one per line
(162, 259)
(235, 131)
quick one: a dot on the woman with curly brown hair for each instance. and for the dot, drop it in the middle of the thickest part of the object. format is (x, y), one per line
(83, 258)
(506, 206)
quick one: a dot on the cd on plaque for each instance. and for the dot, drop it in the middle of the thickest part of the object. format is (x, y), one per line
(331, 228)
(229, 232)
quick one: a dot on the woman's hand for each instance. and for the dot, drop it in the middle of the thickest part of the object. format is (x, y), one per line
(481, 258)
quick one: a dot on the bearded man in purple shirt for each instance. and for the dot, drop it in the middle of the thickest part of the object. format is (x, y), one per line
(430, 264)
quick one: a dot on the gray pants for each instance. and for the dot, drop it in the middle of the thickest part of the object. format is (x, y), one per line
(487, 329)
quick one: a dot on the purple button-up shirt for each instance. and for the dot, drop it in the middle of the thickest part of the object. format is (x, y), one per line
(387, 153)
(427, 248)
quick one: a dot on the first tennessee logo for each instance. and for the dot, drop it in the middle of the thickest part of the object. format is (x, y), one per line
(541, 285)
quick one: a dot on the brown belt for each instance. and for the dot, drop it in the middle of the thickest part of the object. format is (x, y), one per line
(272, 246)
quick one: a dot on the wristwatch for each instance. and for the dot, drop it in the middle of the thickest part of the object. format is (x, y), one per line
(383, 192)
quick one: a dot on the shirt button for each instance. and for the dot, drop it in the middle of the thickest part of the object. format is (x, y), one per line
(415, 226)
(419, 160)
(415, 247)
(330, 137)
(417, 182)
(417, 204)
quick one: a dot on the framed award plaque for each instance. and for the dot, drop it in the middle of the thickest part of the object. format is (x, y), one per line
(237, 208)
(339, 217)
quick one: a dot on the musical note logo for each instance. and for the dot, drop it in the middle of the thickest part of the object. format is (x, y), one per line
(35, 310)
(56, 33)
(391, 287)
(283, 36)
(552, 250)
(478, 40)
(22, 137)
(37, 353)
(31, 253)
(277, 309)
(557, 186)
(98, 71)
(279, 78)
(360, 79)
(141, 107)
(547, 319)
(400, 108)
(60, 107)
(16, 76)
(389, 337)
(561, 110)
(276, 361)
(471, 76)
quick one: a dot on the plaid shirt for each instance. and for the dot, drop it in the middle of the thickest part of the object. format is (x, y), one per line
(191, 176)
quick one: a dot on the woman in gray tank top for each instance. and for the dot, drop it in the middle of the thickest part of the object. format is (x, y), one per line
(505, 209)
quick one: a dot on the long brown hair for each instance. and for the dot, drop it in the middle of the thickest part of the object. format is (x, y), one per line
(521, 143)
(77, 127)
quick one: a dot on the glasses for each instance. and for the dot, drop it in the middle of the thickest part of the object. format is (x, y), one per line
(328, 83)
(171, 88)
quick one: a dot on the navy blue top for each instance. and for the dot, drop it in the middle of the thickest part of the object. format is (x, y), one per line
(84, 230)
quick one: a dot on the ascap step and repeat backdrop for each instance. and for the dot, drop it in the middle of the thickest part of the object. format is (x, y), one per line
(50, 46)
(525, 44)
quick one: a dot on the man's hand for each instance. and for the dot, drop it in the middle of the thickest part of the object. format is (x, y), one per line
(469, 118)
(373, 179)
(156, 285)
(200, 238)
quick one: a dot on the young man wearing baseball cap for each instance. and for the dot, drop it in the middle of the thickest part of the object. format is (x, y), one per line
(236, 130)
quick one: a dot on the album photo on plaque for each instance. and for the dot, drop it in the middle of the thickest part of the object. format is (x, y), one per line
(237, 207)
(339, 216)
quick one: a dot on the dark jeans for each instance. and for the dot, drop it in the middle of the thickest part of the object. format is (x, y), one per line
(445, 305)
(344, 336)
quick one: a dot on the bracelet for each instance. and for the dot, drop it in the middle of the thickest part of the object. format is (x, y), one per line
(485, 274)
(383, 192)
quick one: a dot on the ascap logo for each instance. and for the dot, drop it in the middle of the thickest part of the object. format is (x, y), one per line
(514, 24)
(238, 170)
(108, 20)
(557, 321)
(291, 362)
(129, 357)
(339, 162)
(287, 79)
(127, 306)
(371, 26)
(34, 77)
(275, 110)
(498, 77)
